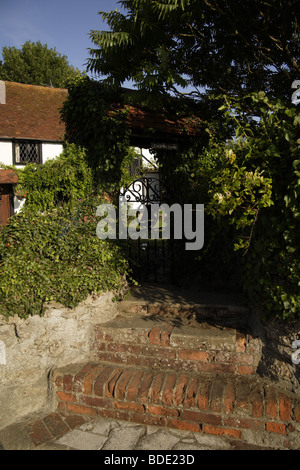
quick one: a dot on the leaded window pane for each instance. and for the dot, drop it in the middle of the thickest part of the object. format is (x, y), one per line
(27, 152)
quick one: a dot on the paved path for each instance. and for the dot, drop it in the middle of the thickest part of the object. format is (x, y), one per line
(104, 434)
(113, 435)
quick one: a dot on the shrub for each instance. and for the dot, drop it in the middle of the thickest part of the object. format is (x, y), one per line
(253, 200)
(56, 256)
(64, 179)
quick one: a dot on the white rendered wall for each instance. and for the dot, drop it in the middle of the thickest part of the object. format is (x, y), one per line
(6, 153)
(149, 161)
(50, 151)
(18, 204)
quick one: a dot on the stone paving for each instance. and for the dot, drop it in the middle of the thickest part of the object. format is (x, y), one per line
(103, 434)
(107, 434)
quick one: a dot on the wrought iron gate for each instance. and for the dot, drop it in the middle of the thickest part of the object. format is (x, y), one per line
(150, 258)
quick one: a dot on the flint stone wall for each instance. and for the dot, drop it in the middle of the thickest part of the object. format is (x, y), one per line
(276, 338)
(32, 347)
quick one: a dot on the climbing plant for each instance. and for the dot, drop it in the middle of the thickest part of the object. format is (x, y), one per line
(102, 131)
(63, 180)
(56, 255)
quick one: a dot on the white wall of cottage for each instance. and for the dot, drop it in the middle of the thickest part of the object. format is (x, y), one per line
(6, 153)
(49, 151)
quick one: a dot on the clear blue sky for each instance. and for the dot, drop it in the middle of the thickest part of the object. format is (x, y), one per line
(61, 24)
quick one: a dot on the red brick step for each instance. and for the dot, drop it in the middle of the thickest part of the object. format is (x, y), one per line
(141, 341)
(220, 405)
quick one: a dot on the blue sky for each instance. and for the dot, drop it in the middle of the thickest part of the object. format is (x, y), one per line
(61, 24)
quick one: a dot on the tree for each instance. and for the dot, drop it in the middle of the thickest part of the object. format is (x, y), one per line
(245, 55)
(235, 46)
(35, 64)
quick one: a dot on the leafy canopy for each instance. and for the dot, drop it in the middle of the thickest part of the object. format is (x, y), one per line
(35, 64)
(235, 46)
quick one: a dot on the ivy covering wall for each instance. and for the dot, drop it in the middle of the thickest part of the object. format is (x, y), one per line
(49, 251)
(104, 136)
(56, 256)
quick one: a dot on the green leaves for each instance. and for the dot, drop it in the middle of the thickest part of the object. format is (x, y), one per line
(256, 190)
(107, 39)
(231, 47)
(35, 64)
(64, 179)
(55, 256)
(101, 130)
(240, 194)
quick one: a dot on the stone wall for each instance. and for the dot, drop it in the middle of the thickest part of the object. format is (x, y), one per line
(276, 338)
(31, 348)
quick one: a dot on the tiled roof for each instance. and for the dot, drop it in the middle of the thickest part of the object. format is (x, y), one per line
(32, 112)
(140, 119)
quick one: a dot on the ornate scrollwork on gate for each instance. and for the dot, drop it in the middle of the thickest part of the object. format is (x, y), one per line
(144, 190)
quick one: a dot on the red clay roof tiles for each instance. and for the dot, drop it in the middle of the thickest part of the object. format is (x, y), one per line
(32, 112)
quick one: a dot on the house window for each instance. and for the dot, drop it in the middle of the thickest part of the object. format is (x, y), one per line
(27, 151)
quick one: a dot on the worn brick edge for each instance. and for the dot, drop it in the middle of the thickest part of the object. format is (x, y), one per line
(158, 348)
(204, 404)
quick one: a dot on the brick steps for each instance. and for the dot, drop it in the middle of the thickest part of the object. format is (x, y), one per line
(151, 366)
(221, 405)
(156, 344)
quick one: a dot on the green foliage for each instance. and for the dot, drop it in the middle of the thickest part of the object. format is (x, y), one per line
(243, 194)
(103, 132)
(64, 179)
(249, 184)
(250, 187)
(226, 46)
(55, 256)
(253, 199)
(35, 64)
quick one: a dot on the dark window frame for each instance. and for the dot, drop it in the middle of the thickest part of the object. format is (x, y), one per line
(27, 141)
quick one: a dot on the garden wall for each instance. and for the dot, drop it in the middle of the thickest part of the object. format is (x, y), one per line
(276, 338)
(30, 348)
